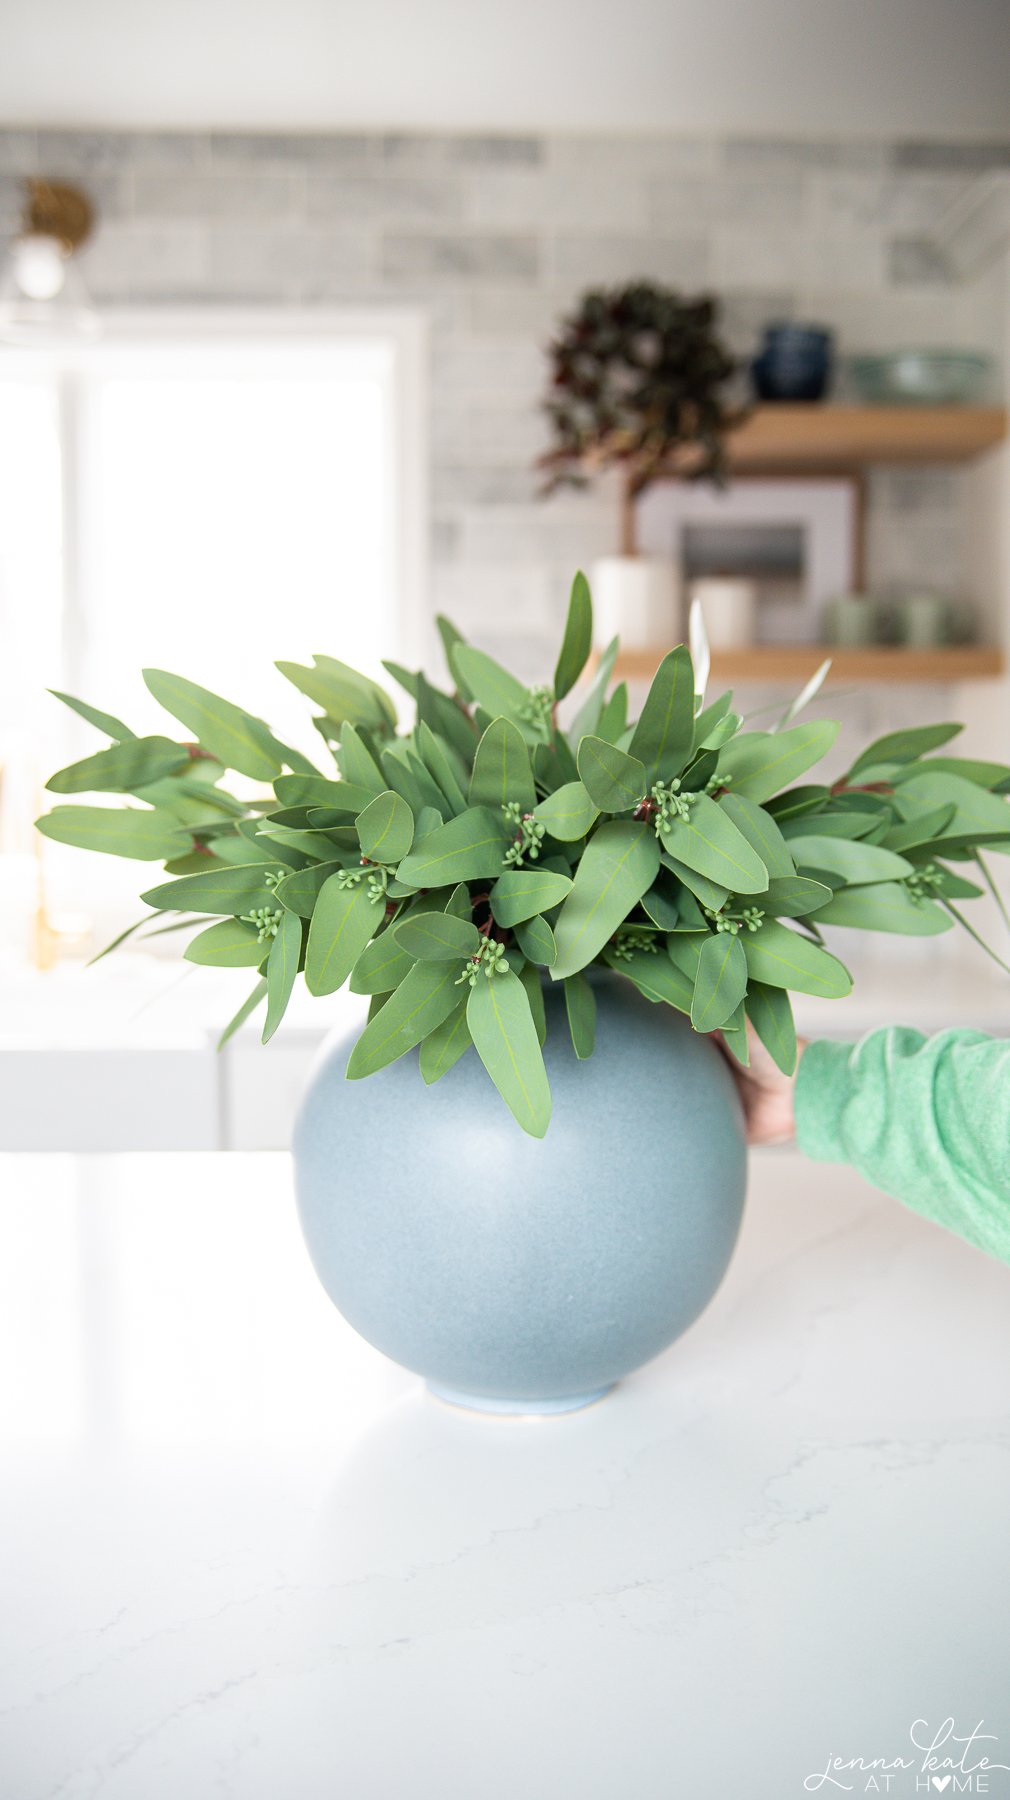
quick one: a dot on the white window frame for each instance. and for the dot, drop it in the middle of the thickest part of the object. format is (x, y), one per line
(403, 331)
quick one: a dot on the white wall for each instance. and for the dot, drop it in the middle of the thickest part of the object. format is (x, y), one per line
(932, 68)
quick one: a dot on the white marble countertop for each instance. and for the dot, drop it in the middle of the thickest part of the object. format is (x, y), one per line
(244, 1557)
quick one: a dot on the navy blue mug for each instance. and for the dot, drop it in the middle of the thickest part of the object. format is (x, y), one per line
(794, 363)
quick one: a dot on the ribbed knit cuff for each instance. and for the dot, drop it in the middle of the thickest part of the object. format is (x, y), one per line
(822, 1089)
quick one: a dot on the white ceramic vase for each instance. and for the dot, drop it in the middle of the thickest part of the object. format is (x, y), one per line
(636, 598)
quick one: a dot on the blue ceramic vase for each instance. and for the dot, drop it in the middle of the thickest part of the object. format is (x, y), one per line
(519, 1274)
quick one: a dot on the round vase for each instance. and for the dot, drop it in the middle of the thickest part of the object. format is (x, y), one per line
(519, 1274)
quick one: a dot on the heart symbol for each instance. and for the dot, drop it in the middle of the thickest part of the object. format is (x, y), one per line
(940, 1783)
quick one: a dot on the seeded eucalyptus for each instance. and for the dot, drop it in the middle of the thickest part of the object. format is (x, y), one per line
(448, 870)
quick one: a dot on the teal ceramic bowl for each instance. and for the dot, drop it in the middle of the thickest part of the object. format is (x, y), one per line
(922, 377)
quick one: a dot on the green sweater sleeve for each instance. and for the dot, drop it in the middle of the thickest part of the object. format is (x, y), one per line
(925, 1119)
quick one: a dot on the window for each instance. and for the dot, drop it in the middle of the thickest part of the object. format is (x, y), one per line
(202, 500)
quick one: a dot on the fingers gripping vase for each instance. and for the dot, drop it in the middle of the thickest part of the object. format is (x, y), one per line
(517, 1274)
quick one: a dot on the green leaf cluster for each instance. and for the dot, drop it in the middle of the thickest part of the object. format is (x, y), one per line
(450, 869)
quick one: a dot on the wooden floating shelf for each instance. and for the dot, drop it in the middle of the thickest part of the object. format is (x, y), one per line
(779, 438)
(797, 662)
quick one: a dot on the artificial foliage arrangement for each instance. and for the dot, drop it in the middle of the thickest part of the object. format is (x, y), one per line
(637, 373)
(446, 871)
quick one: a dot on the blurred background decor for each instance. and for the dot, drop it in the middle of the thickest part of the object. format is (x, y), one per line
(43, 297)
(794, 363)
(638, 383)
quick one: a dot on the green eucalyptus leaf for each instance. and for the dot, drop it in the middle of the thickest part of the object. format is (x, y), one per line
(691, 917)
(450, 636)
(449, 721)
(665, 732)
(501, 769)
(783, 958)
(618, 866)
(657, 976)
(341, 692)
(122, 768)
(102, 721)
(535, 995)
(761, 832)
(760, 763)
(553, 763)
(408, 679)
(282, 968)
(300, 891)
(587, 718)
(578, 638)
(520, 894)
(437, 937)
(614, 717)
(385, 829)
(248, 1006)
(794, 896)
(840, 822)
(811, 797)
(490, 685)
(536, 941)
(708, 841)
(423, 999)
(684, 953)
(709, 718)
(229, 945)
(444, 1046)
(904, 746)
(315, 790)
(439, 764)
(921, 830)
(720, 983)
(710, 893)
(990, 775)
(662, 902)
(955, 887)
(381, 966)
(568, 813)
(120, 938)
(884, 906)
(402, 778)
(470, 847)
(614, 781)
(228, 891)
(236, 738)
(316, 846)
(852, 860)
(734, 1037)
(769, 1010)
(505, 1037)
(580, 1005)
(428, 788)
(118, 831)
(197, 863)
(977, 813)
(343, 921)
(355, 761)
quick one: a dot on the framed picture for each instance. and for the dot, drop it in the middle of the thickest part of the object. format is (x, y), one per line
(797, 539)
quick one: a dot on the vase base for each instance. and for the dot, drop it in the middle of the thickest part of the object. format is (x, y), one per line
(530, 1409)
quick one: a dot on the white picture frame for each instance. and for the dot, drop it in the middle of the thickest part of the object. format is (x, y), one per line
(827, 510)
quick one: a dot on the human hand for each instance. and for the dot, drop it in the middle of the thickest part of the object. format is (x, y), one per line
(765, 1093)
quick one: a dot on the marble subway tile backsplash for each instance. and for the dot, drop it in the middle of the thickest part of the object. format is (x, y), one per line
(492, 236)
